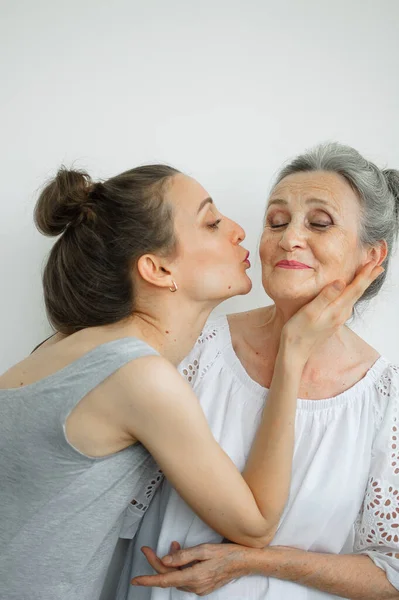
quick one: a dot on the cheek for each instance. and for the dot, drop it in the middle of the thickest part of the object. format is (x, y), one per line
(267, 249)
(210, 262)
(214, 258)
(340, 252)
(201, 251)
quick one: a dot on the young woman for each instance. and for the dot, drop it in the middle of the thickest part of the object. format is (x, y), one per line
(141, 261)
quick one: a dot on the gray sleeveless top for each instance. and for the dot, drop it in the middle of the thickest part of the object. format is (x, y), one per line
(60, 510)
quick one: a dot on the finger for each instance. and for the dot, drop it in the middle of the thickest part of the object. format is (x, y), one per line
(174, 547)
(339, 311)
(184, 557)
(327, 296)
(154, 561)
(355, 290)
(172, 579)
(338, 292)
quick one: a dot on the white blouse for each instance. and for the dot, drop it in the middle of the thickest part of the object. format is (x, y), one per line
(344, 493)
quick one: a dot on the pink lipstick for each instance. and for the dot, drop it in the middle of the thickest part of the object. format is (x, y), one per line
(246, 259)
(292, 264)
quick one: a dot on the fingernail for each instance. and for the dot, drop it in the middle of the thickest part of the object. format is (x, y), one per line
(167, 560)
(339, 285)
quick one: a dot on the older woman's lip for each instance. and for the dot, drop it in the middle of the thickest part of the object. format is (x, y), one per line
(292, 264)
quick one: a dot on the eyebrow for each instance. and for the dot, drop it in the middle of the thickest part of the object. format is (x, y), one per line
(282, 202)
(204, 203)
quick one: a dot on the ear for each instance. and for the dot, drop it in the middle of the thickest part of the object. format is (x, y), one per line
(154, 270)
(378, 252)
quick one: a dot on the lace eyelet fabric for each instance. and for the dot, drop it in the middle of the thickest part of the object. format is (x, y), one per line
(209, 335)
(191, 370)
(385, 383)
(378, 525)
(196, 368)
(142, 501)
(378, 522)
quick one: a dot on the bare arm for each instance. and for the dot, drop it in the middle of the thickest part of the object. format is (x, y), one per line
(166, 417)
(352, 576)
(347, 575)
(269, 465)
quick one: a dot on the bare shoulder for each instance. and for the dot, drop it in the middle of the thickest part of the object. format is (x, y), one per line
(150, 393)
(32, 367)
(153, 367)
(150, 378)
(54, 339)
(51, 341)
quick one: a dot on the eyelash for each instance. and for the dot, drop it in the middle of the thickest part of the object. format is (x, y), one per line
(312, 224)
(214, 225)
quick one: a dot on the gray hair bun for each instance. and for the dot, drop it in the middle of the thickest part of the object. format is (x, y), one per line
(392, 179)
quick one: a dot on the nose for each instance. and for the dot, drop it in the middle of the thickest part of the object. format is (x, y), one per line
(238, 234)
(293, 237)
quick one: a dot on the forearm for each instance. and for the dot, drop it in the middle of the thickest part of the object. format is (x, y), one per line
(348, 575)
(269, 465)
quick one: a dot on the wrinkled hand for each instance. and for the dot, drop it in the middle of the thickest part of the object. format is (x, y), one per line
(158, 566)
(323, 316)
(206, 567)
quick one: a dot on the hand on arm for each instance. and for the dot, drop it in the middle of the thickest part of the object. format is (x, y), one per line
(214, 566)
(351, 576)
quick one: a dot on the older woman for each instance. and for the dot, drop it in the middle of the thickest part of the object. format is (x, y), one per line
(329, 211)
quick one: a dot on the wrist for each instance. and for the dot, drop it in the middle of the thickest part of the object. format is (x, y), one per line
(290, 357)
(261, 561)
(249, 561)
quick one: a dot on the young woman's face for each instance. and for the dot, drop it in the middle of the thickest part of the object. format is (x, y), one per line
(311, 236)
(210, 263)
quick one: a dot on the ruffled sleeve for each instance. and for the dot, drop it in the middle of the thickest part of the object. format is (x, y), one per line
(377, 526)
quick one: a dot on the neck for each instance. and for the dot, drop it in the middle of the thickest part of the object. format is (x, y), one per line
(276, 317)
(171, 329)
(284, 310)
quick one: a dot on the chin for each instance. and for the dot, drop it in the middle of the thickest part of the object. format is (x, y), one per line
(291, 295)
(246, 289)
(241, 288)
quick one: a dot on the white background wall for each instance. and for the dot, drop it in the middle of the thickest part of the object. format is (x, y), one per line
(226, 90)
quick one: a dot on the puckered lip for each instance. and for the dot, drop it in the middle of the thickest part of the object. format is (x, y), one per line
(246, 257)
(294, 264)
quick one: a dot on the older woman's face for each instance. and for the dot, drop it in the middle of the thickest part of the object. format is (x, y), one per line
(311, 236)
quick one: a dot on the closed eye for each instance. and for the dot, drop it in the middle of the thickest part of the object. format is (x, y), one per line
(214, 225)
(320, 225)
